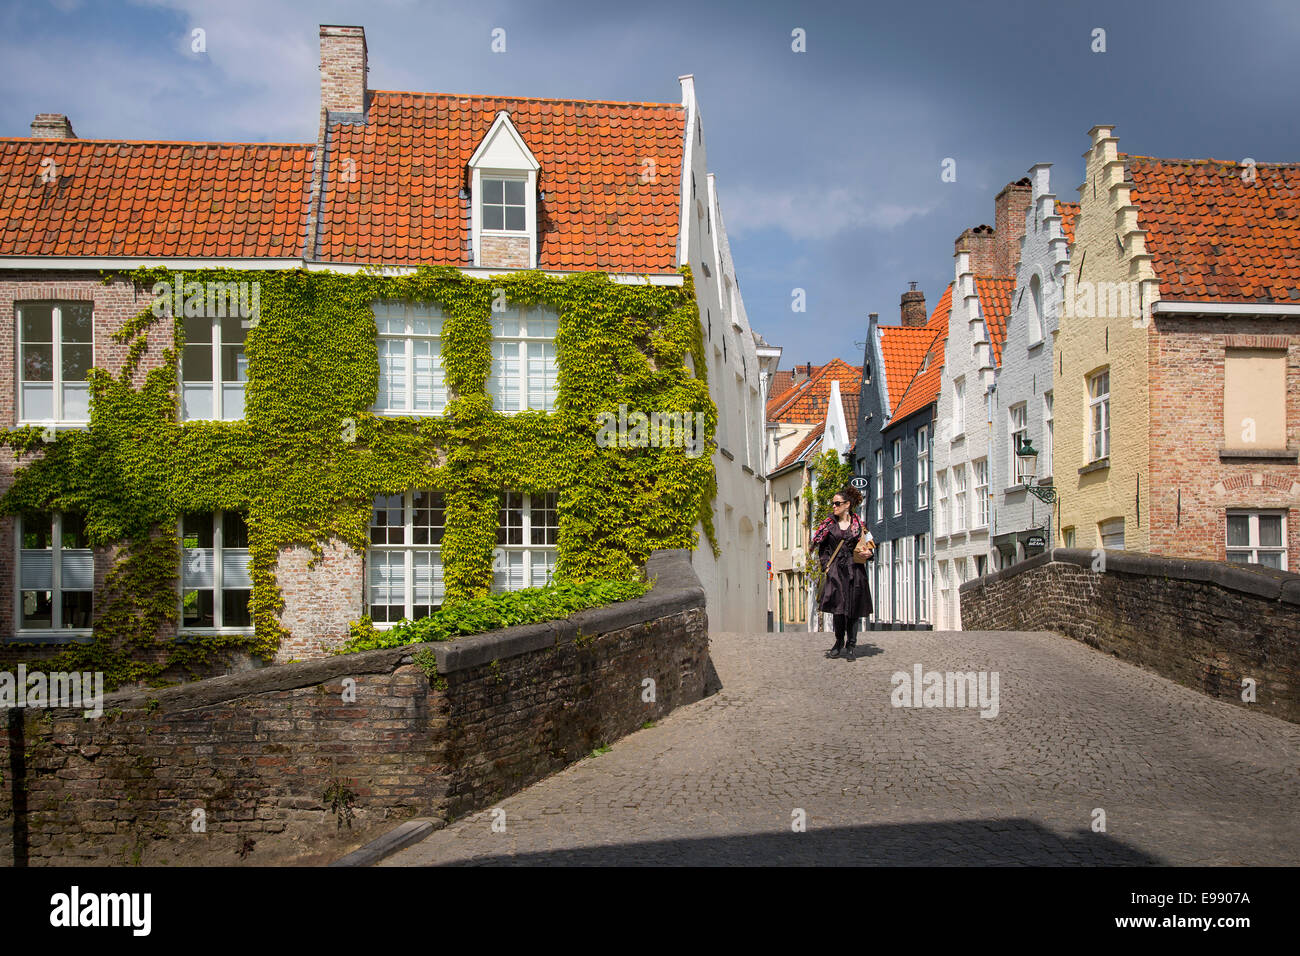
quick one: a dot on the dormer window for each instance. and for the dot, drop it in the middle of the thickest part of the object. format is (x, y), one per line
(503, 192)
(503, 204)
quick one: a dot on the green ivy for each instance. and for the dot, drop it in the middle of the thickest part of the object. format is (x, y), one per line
(308, 459)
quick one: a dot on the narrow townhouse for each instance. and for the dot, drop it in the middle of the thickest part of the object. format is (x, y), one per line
(895, 454)
(290, 523)
(1023, 516)
(1178, 359)
(984, 278)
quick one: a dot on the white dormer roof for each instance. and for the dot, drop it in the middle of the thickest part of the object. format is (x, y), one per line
(503, 148)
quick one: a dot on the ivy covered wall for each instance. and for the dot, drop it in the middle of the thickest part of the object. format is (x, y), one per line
(308, 459)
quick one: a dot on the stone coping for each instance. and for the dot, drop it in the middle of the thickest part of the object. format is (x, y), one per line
(1260, 582)
(675, 589)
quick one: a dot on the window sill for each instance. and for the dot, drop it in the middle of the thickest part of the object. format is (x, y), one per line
(1032, 346)
(1280, 455)
(1014, 489)
(197, 633)
(80, 426)
(960, 436)
(728, 455)
(1101, 464)
(80, 636)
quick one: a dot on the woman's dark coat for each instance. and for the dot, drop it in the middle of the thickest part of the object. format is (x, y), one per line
(846, 589)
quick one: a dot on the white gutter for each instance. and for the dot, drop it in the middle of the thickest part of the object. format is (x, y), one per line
(1226, 308)
(87, 263)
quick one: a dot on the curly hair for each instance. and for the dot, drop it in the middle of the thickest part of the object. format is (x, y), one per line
(852, 495)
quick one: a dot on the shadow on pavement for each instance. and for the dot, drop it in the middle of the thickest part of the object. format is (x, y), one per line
(994, 842)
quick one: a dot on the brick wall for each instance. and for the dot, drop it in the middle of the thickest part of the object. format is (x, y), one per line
(321, 597)
(509, 252)
(1192, 487)
(258, 751)
(1204, 624)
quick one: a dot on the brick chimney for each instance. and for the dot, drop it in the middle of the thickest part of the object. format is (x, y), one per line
(1010, 209)
(343, 69)
(912, 306)
(52, 126)
(981, 243)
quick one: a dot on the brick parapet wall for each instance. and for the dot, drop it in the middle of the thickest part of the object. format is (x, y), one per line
(257, 751)
(1204, 624)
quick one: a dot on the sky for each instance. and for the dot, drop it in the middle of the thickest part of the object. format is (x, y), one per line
(828, 159)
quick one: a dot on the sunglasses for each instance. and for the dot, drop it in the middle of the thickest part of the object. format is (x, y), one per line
(837, 502)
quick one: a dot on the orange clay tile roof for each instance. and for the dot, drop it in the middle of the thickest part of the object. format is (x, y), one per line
(923, 387)
(1214, 235)
(995, 304)
(152, 199)
(404, 205)
(1069, 212)
(801, 450)
(781, 383)
(806, 402)
(903, 348)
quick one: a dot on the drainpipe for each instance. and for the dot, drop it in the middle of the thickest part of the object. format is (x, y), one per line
(988, 469)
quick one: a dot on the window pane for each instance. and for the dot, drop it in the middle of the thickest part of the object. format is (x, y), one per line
(77, 570)
(235, 569)
(78, 608)
(197, 609)
(428, 517)
(38, 363)
(387, 523)
(234, 364)
(1238, 531)
(1271, 559)
(76, 403)
(428, 321)
(234, 330)
(1270, 531)
(77, 323)
(545, 526)
(37, 570)
(392, 375)
(37, 323)
(37, 609)
(196, 530)
(1239, 557)
(494, 217)
(427, 587)
(430, 380)
(515, 218)
(235, 611)
(387, 585)
(511, 528)
(76, 362)
(198, 568)
(493, 191)
(196, 365)
(234, 530)
(543, 567)
(232, 402)
(73, 531)
(38, 402)
(514, 192)
(196, 400)
(37, 531)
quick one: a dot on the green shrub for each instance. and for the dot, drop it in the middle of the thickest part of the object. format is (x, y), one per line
(490, 612)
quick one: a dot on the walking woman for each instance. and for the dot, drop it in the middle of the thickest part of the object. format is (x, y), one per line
(846, 595)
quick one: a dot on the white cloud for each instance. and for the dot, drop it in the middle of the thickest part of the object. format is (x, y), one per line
(813, 212)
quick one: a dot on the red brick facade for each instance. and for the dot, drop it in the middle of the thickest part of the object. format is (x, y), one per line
(1192, 486)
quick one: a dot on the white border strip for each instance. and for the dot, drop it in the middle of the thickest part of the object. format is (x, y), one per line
(1226, 308)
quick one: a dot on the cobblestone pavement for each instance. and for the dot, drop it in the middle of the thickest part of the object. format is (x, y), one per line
(1182, 778)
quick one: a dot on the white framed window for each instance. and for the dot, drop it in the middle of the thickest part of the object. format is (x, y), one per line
(959, 481)
(56, 351)
(55, 582)
(1257, 537)
(923, 467)
(898, 476)
(1112, 534)
(900, 583)
(785, 524)
(1049, 437)
(215, 582)
(981, 468)
(411, 377)
(1018, 415)
(505, 208)
(405, 579)
(524, 362)
(959, 407)
(526, 541)
(1099, 415)
(798, 540)
(886, 595)
(922, 578)
(214, 368)
(1067, 537)
(880, 484)
(941, 499)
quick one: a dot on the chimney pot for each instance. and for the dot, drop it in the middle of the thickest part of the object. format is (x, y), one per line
(52, 126)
